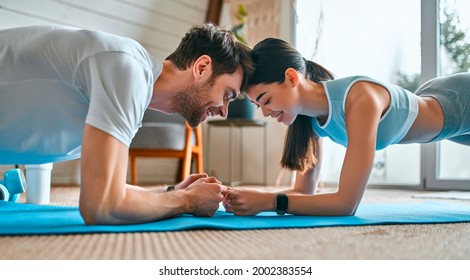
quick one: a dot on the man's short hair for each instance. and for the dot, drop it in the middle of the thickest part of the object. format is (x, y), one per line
(226, 52)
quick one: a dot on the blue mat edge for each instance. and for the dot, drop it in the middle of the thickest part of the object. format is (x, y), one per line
(447, 213)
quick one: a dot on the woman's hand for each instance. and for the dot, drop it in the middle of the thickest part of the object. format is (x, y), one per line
(243, 202)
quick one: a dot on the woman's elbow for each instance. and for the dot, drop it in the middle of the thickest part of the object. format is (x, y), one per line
(345, 207)
(347, 203)
(349, 212)
(349, 209)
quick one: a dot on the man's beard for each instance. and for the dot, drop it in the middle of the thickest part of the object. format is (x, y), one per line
(191, 101)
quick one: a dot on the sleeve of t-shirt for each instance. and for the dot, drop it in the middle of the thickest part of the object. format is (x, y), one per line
(120, 88)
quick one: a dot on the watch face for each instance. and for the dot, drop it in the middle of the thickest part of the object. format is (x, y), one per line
(281, 203)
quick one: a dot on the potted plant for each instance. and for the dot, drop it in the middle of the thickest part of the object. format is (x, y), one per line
(241, 108)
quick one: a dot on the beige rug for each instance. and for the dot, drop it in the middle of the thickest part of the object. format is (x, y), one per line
(443, 241)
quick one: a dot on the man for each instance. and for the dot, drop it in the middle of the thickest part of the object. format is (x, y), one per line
(68, 93)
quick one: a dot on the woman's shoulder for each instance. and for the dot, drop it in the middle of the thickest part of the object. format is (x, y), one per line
(350, 79)
(347, 82)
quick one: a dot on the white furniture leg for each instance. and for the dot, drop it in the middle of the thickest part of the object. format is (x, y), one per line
(38, 179)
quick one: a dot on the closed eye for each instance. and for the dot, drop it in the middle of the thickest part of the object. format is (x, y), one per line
(230, 95)
(254, 103)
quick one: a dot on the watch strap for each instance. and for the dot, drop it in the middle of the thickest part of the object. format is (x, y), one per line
(281, 203)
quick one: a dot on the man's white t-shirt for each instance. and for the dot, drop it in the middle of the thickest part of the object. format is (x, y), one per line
(55, 79)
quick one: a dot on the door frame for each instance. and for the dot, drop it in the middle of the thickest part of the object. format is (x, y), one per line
(430, 68)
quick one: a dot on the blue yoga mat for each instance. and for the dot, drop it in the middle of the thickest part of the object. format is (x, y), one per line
(29, 219)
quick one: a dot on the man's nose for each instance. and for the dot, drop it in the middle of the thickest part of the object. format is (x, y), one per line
(224, 110)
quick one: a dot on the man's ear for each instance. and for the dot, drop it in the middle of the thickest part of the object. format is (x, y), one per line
(291, 77)
(202, 67)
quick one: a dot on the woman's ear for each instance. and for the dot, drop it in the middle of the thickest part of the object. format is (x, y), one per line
(292, 77)
(202, 67)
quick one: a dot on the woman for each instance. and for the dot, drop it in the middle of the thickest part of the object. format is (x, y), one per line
(357, 112)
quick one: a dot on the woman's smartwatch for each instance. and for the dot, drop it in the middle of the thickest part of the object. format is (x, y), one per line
(281, 203)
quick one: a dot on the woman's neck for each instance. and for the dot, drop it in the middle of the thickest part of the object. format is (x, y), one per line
(313, 99)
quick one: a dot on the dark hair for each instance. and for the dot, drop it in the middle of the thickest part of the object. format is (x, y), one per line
(226, 52)
(271, 58)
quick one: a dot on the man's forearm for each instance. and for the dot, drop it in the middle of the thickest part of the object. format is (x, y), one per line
(139, 205)
(154, 189)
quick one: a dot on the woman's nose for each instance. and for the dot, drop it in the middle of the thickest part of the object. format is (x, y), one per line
(265, 111)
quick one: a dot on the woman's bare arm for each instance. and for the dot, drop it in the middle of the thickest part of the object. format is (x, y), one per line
(363, 112)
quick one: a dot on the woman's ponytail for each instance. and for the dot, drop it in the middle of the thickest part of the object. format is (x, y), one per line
(299, 148)
(317, 73)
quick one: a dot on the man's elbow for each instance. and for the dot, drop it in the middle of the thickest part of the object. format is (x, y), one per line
(93, 215)
(88, 214)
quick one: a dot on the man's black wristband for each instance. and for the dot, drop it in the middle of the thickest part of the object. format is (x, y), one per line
(170, 188)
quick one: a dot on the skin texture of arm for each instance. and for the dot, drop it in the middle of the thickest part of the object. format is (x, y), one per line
(364, 107)
(105, 198)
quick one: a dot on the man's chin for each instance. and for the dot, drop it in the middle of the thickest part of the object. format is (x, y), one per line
(195, 124)
(204, 118)
(194, 120)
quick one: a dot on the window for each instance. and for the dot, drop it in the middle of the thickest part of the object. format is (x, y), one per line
(402, 42)
(380, 39)
(454, 19)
